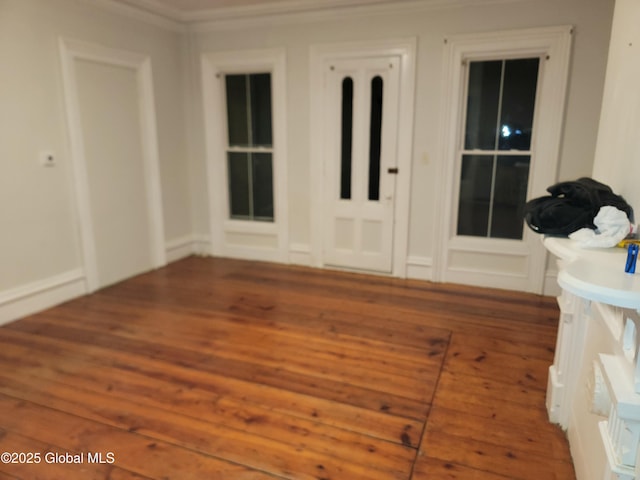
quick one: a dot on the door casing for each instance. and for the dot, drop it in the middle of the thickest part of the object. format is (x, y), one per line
(70, 52)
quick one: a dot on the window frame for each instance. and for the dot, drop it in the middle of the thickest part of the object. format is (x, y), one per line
(251, 239)
(553, 45)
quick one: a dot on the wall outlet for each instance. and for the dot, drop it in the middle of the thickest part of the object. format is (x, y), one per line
(47, 159)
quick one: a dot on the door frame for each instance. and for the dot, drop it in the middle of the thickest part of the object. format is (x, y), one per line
(70, 52)
(553, 45)
(405, 50)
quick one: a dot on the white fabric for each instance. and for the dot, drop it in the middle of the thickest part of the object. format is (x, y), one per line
(612, 226)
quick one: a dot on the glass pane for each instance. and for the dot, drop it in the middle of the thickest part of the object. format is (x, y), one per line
(237, 110)
(518, 101)
(347, 138)
(375, 138)
(509, 197)
(260, 94)
(475, 195)
(239, 200)
(482, 105)
(262, 186)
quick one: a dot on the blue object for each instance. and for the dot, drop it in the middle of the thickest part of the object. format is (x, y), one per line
(632, 258)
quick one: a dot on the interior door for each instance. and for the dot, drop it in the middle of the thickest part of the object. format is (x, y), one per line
(108, 99)
(361, 118)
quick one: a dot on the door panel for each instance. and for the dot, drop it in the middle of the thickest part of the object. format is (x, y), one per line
(361, 117)
(108, 99)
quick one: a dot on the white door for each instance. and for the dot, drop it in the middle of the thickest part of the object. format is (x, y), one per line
(108, 99)
(361, 121)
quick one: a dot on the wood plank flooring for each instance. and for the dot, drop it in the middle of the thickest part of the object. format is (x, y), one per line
(225, 369)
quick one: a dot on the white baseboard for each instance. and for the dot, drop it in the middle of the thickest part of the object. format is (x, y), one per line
(40, 295)
(300, 254)
(33, 297)
(202, 245)
(187, 245)
(420, 268)
(179, 248)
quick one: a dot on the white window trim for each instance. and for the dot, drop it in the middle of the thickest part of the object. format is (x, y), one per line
(214, 66)
(553, 45)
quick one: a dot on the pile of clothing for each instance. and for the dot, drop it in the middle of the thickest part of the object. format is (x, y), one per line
(585, 210)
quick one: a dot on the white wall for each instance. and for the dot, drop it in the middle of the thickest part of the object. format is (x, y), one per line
(591, 19)
(617, 161)
(39, 244)
(38, 223)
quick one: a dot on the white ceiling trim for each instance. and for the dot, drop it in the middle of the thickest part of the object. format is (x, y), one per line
(299, 11)
(164, 19)
(273, 13)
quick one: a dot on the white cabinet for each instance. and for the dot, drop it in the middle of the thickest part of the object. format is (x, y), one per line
(594, 383)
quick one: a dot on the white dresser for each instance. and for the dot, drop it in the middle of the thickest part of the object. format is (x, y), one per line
(594, 383)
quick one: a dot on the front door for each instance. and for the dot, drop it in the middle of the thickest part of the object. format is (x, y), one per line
(360, 125)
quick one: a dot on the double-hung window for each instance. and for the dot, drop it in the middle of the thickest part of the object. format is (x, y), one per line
(504, 103)
(249, 146)
(496, 150)
(244, 103)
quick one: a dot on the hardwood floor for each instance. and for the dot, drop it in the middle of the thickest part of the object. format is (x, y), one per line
(224, 369)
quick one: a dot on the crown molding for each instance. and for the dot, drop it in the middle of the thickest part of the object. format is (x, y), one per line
(304, 11)
(279, 7)
(146, 11)
(155, 7)
(280, 12)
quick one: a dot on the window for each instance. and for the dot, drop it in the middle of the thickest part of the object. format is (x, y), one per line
(375, 139)
(347, 138)
(496, 152)
(250, 146)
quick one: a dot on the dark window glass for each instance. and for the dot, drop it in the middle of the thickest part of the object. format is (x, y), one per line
(510, 193)
(518, 102)
(482, 105)
(508, 85)
(475, 195)
(493, 191)
(262, 181)
(375, 138)
(239, 193)
(249, 110)
(347, 138)
(237, 111)
(260, 93)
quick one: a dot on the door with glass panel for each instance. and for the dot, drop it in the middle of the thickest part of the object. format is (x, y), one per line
(361, 118)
